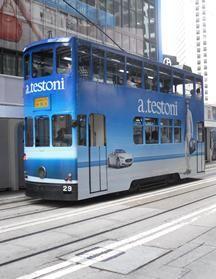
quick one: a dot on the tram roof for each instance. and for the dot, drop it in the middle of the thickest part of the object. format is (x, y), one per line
(47, 41)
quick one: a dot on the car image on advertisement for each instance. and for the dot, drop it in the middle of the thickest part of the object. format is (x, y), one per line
(120, 158)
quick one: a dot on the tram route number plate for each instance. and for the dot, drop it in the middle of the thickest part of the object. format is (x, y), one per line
(67, 189)
(41, 102)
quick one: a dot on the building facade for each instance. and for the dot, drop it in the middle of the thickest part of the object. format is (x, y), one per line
(192, 23)
(131, 24)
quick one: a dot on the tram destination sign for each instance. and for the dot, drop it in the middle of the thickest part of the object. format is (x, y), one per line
(40, 103)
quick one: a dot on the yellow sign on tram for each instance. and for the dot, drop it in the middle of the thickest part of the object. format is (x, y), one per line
(41, 102)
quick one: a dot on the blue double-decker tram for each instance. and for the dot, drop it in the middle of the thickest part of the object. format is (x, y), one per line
(100, 121)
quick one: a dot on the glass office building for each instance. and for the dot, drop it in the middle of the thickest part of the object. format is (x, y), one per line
(132, 24)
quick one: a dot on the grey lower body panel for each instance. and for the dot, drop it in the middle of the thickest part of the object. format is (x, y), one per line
(53, 192)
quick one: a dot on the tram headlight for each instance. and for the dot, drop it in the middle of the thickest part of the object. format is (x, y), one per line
(42, 172)
(69, 177)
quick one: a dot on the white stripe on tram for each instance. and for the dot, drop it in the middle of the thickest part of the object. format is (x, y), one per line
(49, 180)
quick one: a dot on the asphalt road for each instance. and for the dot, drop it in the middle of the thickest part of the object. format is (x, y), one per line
(167, 233)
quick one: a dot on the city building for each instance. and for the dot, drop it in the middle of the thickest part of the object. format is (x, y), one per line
(131, 24)
(188, 33)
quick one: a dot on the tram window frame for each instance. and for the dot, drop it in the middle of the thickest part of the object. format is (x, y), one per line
(46, 129)
(40, 58)
(61, 134)
(150, 76)
(166, 127)
(178, 83)
(189, 86)
(138, 130)
(63, 59)
(27, 66)
(82, 130)
(84, 54)
(165, 80)
(151, 127)
(115, 68)
(29, 134)
(98, 65)
(134, 73)
(177, 131)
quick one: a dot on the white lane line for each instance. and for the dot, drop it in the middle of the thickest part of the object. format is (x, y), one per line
(93, 208)
(114, 249)
(7, 198)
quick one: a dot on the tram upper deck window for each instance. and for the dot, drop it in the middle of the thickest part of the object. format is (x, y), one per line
(63, 60)
(189, 86)
(165, 80)
(134, 73)
(150, 77)
(61, 130)
(178, 83)
(26, 66)
(84, 61)
(115, 69)
(42, 63)
(98, 65)
(42, 137)
(28, 132)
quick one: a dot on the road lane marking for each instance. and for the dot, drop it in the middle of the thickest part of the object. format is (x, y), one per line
(104, 253)
(93, 208)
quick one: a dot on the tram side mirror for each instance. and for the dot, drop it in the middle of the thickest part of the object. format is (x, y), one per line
(74, 123)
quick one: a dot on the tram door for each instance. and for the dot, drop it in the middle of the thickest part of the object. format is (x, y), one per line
(97, 153)
(200, 147)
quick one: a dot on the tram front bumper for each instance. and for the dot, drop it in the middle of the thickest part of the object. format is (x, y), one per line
(55, 192)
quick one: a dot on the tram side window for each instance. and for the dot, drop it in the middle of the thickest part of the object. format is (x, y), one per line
(134, 73)
(27, 66)
(115, 69)
(42, 137)
(63, 60)
(166, 130)
(28, 132)
(151, 131)
(199, 88)
(150, 77)
(177, 131)
(138, 130)
(84, 61)
(82, 129)
(98, 65)
(178, 83)
(61, 130)
(165, 80)
(42, 63)
(189, 86)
